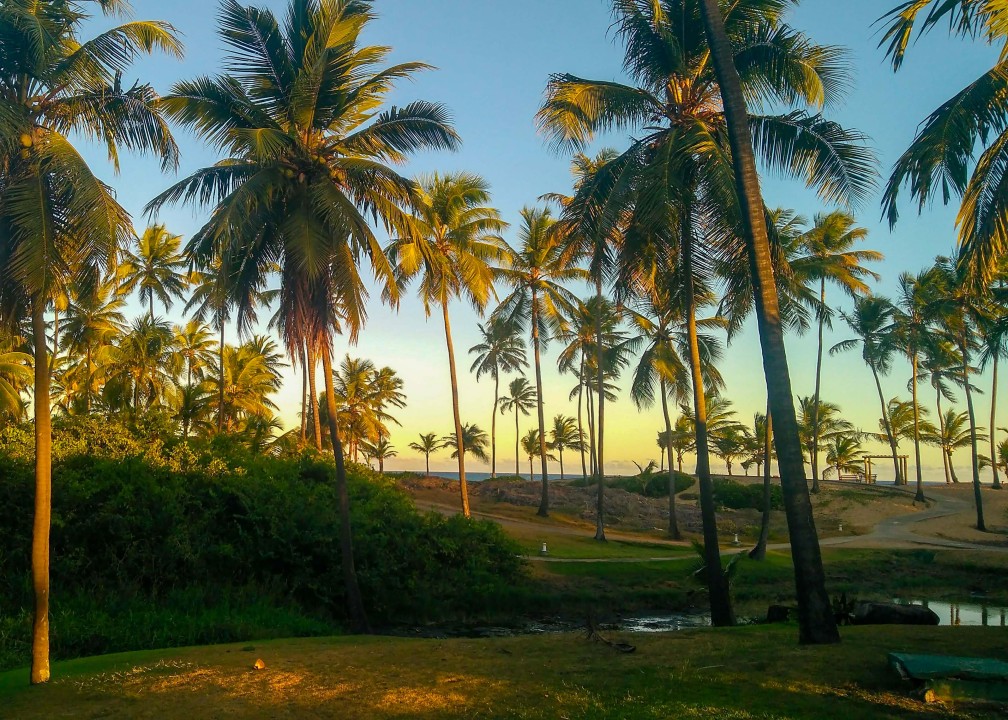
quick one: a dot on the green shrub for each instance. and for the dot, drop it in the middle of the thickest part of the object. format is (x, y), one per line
(652, 483)
(730, 494)
(135, 523)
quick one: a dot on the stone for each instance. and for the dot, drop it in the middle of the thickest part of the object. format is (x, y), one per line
(877, 613)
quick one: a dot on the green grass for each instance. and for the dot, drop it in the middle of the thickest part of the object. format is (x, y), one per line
(747, 673)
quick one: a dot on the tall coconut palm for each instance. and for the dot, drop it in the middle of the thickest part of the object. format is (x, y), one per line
(531, 445)
(195, 343)
(822, 417)
(939, 366)
(673, 106)
(914, 326)
(61, 223)
(730, 444)
(474, 441)
(564, 435)
(156, 268)
(830, 256)
(381, 451)
(428, 444)
(453, 246)
(940, 157)
(501, 350)
(585, 238)
(308, 149)
(954, 433)
(961, 307)
(871, 320)
(843, 454)
(521, 398)
(994, 345)
(94, 318)
(537, 268)
(659, 323)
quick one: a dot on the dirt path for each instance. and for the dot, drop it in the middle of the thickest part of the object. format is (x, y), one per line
(951, 516)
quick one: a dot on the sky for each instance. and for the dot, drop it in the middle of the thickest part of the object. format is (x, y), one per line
(493, 61)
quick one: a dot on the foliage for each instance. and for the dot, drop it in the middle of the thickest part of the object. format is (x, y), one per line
(739, 496)
(133, 519)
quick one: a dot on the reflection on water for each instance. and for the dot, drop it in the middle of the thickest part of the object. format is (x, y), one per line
(664, 623)
(962, 614)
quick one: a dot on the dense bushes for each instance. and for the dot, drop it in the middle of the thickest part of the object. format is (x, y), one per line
(649, 483)
(135, 522)
(730, 494)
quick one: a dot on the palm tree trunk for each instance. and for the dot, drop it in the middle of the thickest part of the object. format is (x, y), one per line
(673, 524)
(584, 469)
(817, 624)
(818, 383)
(977, 499)
(759, 552)
(717, 583)
(560, 448)
(43, 498)
(304, 395)
(919, 497)
(600, 424)
(996, 485)
(316, 420)
(460, 445)
(427, 457)
(355, 603)
(517, 456)
(592, 457)
(941, 427)
(90, 378)
(493, 426)
(531, 469)
(220, 380)
(544, 501)
(888, 428)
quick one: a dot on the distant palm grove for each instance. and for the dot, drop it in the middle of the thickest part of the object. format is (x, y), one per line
(633, 279)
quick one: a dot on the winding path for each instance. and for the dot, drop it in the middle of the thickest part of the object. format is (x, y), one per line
(890, 533)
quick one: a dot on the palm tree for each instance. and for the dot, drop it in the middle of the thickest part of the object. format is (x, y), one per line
(830, 256)
(954, 433)
(537, 268)
(940, 156)
(585, 239)
(195, 343)
(681, 440)
(902, 421)
(994, 337)
(564, 435)
(532, 444)
(156, 268)
(675, 103)
(428, 444)
(914, 326)
(474, 442)
(939, 364)
(501, 350)
(190, 406)
(521, 398)
(62, 224)
(659, 324)
(142, 364)
(730, 444)
(961, 307)
(816, 622)
(453, 245)
(822, 417)
(380, 451)
(93, 320)
(843, 453)
(871, 320)
(303, 172)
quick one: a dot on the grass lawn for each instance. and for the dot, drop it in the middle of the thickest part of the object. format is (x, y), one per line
(740, 673)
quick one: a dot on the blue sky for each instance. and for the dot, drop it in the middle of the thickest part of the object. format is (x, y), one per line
(493, 61)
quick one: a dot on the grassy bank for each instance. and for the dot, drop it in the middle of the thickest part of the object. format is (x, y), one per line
(738, 674)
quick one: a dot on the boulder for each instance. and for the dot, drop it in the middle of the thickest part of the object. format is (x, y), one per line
(877, 613)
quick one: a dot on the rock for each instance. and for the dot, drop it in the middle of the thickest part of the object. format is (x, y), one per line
(259, 664)
(876, 613)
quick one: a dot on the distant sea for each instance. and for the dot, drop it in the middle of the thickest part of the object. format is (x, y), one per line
(479, 476)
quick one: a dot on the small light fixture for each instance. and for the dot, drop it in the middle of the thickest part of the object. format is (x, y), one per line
(543, 550)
